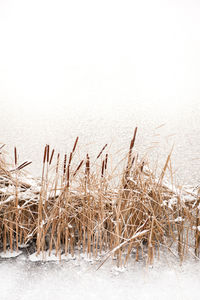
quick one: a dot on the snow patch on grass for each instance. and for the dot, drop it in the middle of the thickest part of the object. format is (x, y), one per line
(10, 254)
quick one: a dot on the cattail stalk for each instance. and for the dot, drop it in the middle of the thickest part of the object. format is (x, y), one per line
(104, 147)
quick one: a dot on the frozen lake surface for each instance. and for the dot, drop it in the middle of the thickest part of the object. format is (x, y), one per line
(21, 280)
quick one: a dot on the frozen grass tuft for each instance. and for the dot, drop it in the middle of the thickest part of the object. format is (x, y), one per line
(80, 207)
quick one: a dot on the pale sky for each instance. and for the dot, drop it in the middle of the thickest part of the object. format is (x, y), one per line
(99, 51)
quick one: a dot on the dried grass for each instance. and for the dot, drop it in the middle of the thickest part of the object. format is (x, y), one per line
(82, 211)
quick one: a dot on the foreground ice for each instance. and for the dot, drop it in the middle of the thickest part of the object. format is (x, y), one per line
(78, 279)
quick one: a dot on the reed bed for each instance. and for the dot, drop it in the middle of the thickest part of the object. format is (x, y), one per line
(77, 208)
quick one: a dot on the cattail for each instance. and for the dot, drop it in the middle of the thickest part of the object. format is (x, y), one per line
(70, 159)
(79, 166)
(57, 164)
(15, 153)
(102, 169)
(2, 146)
(52, 153)
(22, 165)
(106, 161)
(87, 165)
(64, 166)
(47, 153)
(133, 140)
(130, 150)
(101, 151)
(68, 168)
(25, 164)
(75, 144)
(142, 166)
(97, 216)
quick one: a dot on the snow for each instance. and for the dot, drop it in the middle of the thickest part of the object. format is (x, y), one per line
(179, 219)
(78, 279)
(10, 254)
(46, 257)
(23, 245)
(194, 227)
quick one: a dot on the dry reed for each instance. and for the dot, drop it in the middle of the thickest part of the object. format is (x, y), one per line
(82, 211)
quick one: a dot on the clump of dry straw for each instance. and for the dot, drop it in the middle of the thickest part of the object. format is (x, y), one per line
(76, 208)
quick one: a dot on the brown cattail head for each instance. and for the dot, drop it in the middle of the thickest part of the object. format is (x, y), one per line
(79, 166)
(142, 166)
(87, 165)
(2, 146)
(64, 166)
(45, 154)
(52, 153)
(129, 164)
(75, 144)
(70, 159)
(57, 164)
(101, 151)
(102, 168)
(106, 161)
(133, 139)
(25, 164)
(68, 168)
(15, 154)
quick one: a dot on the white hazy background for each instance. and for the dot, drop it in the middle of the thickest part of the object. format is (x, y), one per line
(99, 68)
(92, 50)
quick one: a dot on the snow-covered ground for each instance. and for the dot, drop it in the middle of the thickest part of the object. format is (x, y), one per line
(77, 279)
